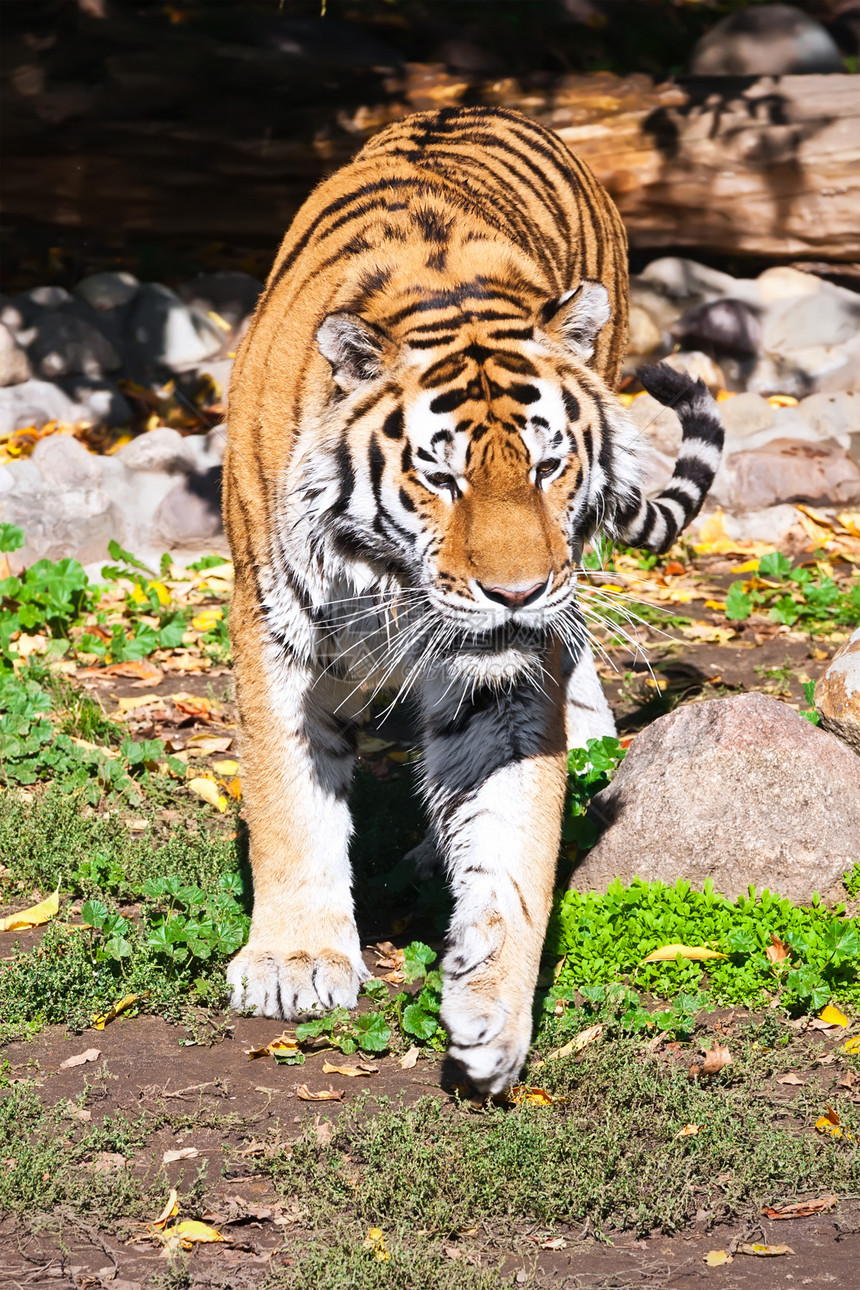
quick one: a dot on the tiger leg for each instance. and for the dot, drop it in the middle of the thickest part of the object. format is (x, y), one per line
(495, 780)
(587, 714)
(303, 953)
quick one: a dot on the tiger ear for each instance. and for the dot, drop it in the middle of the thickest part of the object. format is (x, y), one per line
(576, 318)
(354, 349)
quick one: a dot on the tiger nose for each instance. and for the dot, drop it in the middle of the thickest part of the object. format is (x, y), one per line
(513, 597)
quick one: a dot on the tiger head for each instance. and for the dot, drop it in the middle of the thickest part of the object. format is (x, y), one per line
(475, 456)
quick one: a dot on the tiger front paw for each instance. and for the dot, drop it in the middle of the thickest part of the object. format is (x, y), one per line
(295, 985)
(489, 1035)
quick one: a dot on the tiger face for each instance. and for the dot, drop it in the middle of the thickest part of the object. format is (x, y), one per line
(476, 465)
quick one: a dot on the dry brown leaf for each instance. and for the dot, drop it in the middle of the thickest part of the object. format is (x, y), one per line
(800, 1208)
(523, 1095)
(375, 1242)
(107, 1161)
(208, 790)
(688, 1131)
(717, 1258)
(179, 1153)
(351, 1072)
(91, 1055)
(74, 1112)
(191, 1232)
(409, 1060)
(577, 1044)
(790, 1078)
(715, 1059)
(764, 1251)
(830, 1124)
(207, 745)
(777, 950)
(330, 1094)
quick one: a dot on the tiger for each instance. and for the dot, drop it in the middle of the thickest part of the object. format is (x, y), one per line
(423, 435)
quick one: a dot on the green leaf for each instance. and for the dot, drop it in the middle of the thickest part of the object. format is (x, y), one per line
(372, 1032)
(418, 1022)
(774, 565)
(11, 537)
(738, 604)
(94, 913)
(417, 957)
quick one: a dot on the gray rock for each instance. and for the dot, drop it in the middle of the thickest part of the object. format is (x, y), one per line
(65, 463)
(231, 294)
(166, 332)
(32, 403)
(658, 424)
(828, 317)
(108, 290)
(158, 450)
(740, 790)
(766, 40)
(746, 416)
(11, 315)
(727, 326)
(64, 345)
(99, 401)
(787, 470)
(781, 282)
(837, 693)
(191, 511)
(45, 297)
(832, 416)
(699, 367)
(773, 524)
(681, 279)
(14, 363)
(645, 336)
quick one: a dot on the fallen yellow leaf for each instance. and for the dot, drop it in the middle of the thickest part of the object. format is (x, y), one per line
(829, 1123)
(125, 706)
(717, 1258)
(351, 1072)
(35, 916)
(852, 1045)
(171, 1209)
(766, 1251)
(668, 953)
(748, 566)
(122, 1005)
(139, 596)
(719, 605)
(777, 950)
(208, 790)
(304, 1094)
(207, 619)
(832, 1016)
(375, 1242)
(226, 768)
(191, 1232)
(408, 1060)
(521, 1095)
(234, 788)
(782, 400)
(688, 1131)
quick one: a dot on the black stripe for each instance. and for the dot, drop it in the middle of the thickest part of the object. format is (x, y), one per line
(376, 462)
(392, 426)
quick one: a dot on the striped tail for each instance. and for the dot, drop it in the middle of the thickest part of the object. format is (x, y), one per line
(655, 525)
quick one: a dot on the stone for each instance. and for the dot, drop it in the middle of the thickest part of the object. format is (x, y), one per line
(33, 403)
(161, 449)
(746, 416)
(231, 294)
(826, 318)
(837, 693)
(65, 463)
(784, 283)
(64, 345)
(45, 297)
(766, 40)
(191, 511)
(818, 368)
(166, 332)
(658, 424)
(14, 363)
(739, 790)
(832, 416)
(11, 315)
(730, 326)
(683, 279)
(645, 336)
(787, 470)
(108, 290)
(699, 367)
(776, 525)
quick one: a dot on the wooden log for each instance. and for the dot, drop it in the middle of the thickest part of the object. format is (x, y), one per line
(205, 140)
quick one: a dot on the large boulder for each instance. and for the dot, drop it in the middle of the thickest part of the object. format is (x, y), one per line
(766, 40)
(739, 790)
(787, 470)
(837, 693)
(14, 364)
